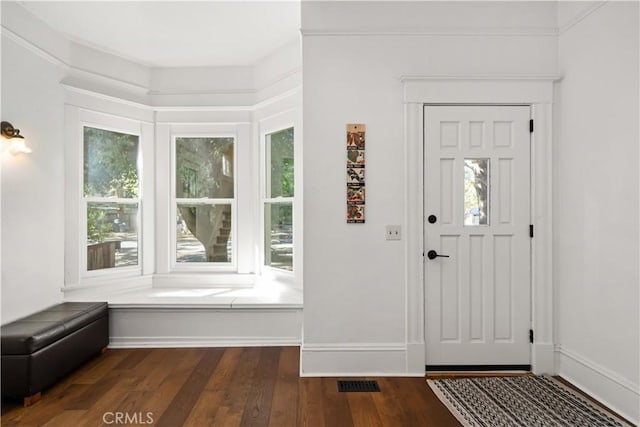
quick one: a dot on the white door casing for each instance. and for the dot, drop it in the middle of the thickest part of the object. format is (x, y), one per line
(477, 301)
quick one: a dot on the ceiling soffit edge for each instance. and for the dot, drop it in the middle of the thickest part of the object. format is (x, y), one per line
(100, 82)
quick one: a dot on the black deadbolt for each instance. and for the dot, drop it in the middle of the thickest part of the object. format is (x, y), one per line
(432, 219)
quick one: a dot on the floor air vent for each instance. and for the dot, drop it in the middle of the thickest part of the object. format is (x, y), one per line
(358, 386)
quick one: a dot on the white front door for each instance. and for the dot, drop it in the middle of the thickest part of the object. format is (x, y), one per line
(476, 220)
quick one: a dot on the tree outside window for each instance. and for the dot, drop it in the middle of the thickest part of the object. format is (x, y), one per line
(111, 195)
(204, 199)
(278, 199)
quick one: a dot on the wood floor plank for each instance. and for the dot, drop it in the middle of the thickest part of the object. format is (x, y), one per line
(48, 407)
(133, 359)
(132, 404)
(183, 402)
(428, 407)
(311, 403)
(154, 369)
(95, 391)
(180, 363)
(387, 404)
(108, 402)
(66, 418)
(224, 419)
(258, 407)
(225, 370)
(287, 389)
(232, 406)
(205, 410)
(363, 410)
(414, 410)
(335, 404)
(99, 366)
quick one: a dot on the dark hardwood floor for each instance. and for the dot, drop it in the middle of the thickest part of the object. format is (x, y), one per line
(257, 386)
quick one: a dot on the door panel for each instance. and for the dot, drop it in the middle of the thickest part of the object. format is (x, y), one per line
(477, 173)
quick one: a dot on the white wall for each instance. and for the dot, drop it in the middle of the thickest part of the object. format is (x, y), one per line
(353, 55)
(32, 185)
(596, 234)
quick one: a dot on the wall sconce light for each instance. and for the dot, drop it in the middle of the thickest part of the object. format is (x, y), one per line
(17, 143)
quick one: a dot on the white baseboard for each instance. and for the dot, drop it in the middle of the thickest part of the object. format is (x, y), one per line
(175, 342)
(355, 360)
(606, 386)
(198, 327)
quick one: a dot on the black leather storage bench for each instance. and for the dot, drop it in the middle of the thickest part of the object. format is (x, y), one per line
(40, 349)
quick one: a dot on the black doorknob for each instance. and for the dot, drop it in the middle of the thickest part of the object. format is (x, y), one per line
(433, 255)
(432, 219)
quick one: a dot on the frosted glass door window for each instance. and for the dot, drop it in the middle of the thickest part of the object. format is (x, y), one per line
(476, 191)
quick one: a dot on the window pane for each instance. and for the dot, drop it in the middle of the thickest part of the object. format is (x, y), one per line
(204, 168)
(279, 164)
(278, 239)
(112, 235)
(203, 233)
(110, 164)
(476, 191)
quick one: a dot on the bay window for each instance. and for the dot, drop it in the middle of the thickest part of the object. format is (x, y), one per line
(111, 189)
(204, 202)
(175, 203)
(278, 199)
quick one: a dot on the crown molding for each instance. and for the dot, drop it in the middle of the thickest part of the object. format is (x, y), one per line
(82, 74)
(88, 82)
(99, 95)
(581, 17)
(280, 78)
(21, 41)
(202, 92)
(495, 77)
(173, 108)
(277, 98)
(70, 69)
(459, 32)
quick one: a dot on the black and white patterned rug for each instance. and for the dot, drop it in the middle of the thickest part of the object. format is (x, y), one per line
(529, 401)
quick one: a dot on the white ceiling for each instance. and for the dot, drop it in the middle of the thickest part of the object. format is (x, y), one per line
(176, 33)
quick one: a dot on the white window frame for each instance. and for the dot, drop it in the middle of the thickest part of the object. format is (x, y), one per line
(134, 269)
(183, 267)
(268, 126)
(76, 272)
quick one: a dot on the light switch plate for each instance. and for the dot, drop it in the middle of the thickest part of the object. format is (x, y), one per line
(393, 232)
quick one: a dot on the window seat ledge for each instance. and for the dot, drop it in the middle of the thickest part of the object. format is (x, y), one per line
(204, 317)
(258, 297)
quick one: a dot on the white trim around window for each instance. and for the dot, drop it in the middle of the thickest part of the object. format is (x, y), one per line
(242, 213)
(156, 213)
(203, 266)
(76, 272)
(268, 126)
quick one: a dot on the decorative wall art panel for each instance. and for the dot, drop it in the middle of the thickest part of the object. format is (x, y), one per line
(355, 173)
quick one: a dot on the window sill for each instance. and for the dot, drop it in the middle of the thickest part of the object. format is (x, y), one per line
(181, 292)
